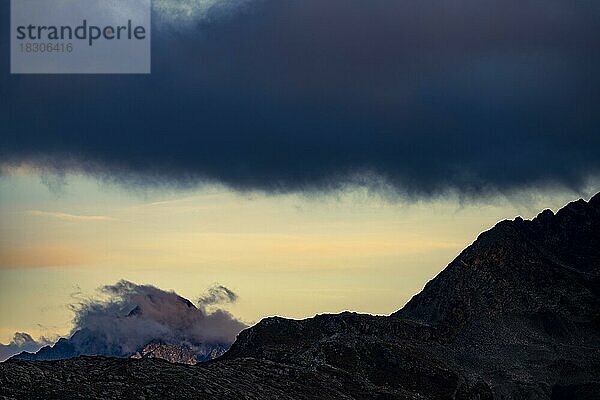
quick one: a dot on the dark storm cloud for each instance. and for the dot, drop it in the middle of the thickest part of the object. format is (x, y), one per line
(424, 95)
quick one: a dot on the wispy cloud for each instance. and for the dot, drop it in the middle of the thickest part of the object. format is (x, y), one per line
(112, 325)
(186, 11)
(71, 217)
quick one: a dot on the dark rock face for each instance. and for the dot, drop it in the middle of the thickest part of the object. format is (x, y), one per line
(381, 357)
(99, 378)
(550, 265)
(180, 353)
(515, 316)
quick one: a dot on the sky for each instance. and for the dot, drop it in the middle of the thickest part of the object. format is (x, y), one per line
(311, 156)
(291, 255)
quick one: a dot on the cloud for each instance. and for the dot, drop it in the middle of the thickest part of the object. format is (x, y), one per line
(178, 12)
(21, 342)
(421, 97)
(127, 316)
(71, 217)
(217, 294)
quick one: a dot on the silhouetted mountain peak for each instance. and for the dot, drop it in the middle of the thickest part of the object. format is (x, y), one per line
(521, 285)
(520, 267)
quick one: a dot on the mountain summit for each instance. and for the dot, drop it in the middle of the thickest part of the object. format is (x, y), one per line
(515, 316)
(145, 322)
(548, 266)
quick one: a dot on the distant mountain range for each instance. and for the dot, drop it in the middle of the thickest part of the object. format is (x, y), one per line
(179, 348)
(86, 342)
(176, 353)
(515, 316)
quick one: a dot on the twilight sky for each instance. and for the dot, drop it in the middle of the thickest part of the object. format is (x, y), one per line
(291, 255)
(311, 155)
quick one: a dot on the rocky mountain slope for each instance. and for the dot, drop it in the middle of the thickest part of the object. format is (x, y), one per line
(515, 316)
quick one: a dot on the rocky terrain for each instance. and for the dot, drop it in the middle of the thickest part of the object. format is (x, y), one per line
(182, 354)
(515, 316)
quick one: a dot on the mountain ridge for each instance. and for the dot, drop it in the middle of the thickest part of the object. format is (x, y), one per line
(177, 347)
(517, 287)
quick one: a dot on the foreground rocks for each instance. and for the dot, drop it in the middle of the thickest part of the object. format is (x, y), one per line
(114, 378)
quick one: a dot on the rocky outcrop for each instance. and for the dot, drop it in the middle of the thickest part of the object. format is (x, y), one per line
(180, 353)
